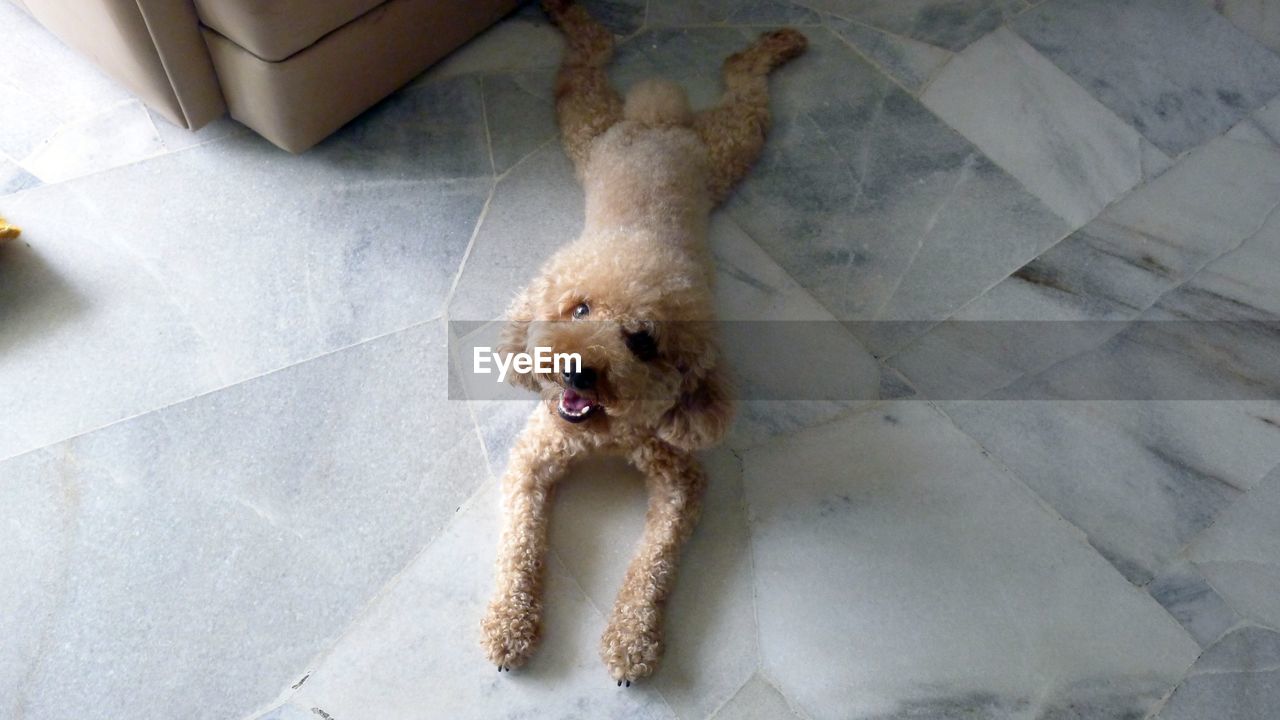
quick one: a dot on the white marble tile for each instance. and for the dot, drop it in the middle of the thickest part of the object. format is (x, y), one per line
(520, 115)
(901, 573)
(1173, 69)
(45, 85)
(1240, 554)
(1141, 479)
(14, 179)
(1038, 124)
(1260, 19)
(177, 138)
(1154, 161)
(289, 712)
(415, 652)
(38, 519)
(536, 208)
(254, 260)
(1237, 679)
(189, 563)
(757, 700)
(117, 135)
(910, 62)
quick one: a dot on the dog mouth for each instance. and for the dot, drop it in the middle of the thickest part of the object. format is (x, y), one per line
(574, 407)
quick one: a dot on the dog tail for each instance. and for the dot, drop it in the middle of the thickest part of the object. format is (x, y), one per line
(658, 103)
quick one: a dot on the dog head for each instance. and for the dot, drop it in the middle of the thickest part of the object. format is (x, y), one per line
(640, 321)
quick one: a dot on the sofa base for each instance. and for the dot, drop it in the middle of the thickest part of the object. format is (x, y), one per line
(300, 100)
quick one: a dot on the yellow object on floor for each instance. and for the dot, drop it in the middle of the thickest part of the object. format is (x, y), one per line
(7, 231)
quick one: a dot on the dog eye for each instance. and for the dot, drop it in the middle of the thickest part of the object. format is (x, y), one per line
(582, 310)
(642, 345)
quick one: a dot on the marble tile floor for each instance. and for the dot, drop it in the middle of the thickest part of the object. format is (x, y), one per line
(234, 485)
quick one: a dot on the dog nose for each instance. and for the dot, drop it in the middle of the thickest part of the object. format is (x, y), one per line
(584, 379)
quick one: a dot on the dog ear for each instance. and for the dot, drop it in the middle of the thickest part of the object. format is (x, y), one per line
(703, 414)
(515, 333)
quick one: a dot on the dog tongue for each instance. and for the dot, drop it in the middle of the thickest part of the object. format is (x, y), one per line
(574, 402)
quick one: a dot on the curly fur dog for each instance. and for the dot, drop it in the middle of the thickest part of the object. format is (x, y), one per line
(633, 297)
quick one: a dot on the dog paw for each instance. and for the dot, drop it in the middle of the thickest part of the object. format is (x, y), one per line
(784, 44)
(510, 633)
(630, 650)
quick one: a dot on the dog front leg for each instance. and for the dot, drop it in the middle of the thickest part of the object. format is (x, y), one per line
(512, 626)
(632, 643)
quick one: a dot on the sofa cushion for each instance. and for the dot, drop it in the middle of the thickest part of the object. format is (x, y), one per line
(275, 29)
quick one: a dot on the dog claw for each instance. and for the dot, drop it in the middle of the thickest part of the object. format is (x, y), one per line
(628, 683)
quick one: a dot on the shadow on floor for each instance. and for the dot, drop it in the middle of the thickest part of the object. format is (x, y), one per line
(33, 296)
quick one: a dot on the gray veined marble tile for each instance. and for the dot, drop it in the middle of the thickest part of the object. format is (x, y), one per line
(1174, 69)
(1237, 679)
(1259, 18)
(429, 130)
(520, 115)
(911, 62)
(623, 17)
(764, 308)
(949, 24)
(1240, 554)
(875, 206)
(729, 12)
(255, 260)
(1142, 479)
(1260, 128)
(415, 652)
(1037, 124)
(522, 42)
(190, 562)
(117, 135)
(1143, 247)
(13, 178)
(1181, 589)
(901, 573)
(1212, 338)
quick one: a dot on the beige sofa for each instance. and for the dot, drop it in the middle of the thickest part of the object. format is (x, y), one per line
(293, 70)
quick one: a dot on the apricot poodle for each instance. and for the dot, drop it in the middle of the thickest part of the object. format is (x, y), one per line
(632, 296)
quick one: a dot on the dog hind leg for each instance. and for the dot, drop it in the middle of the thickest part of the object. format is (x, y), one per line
(586, 104)
(734, 130)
